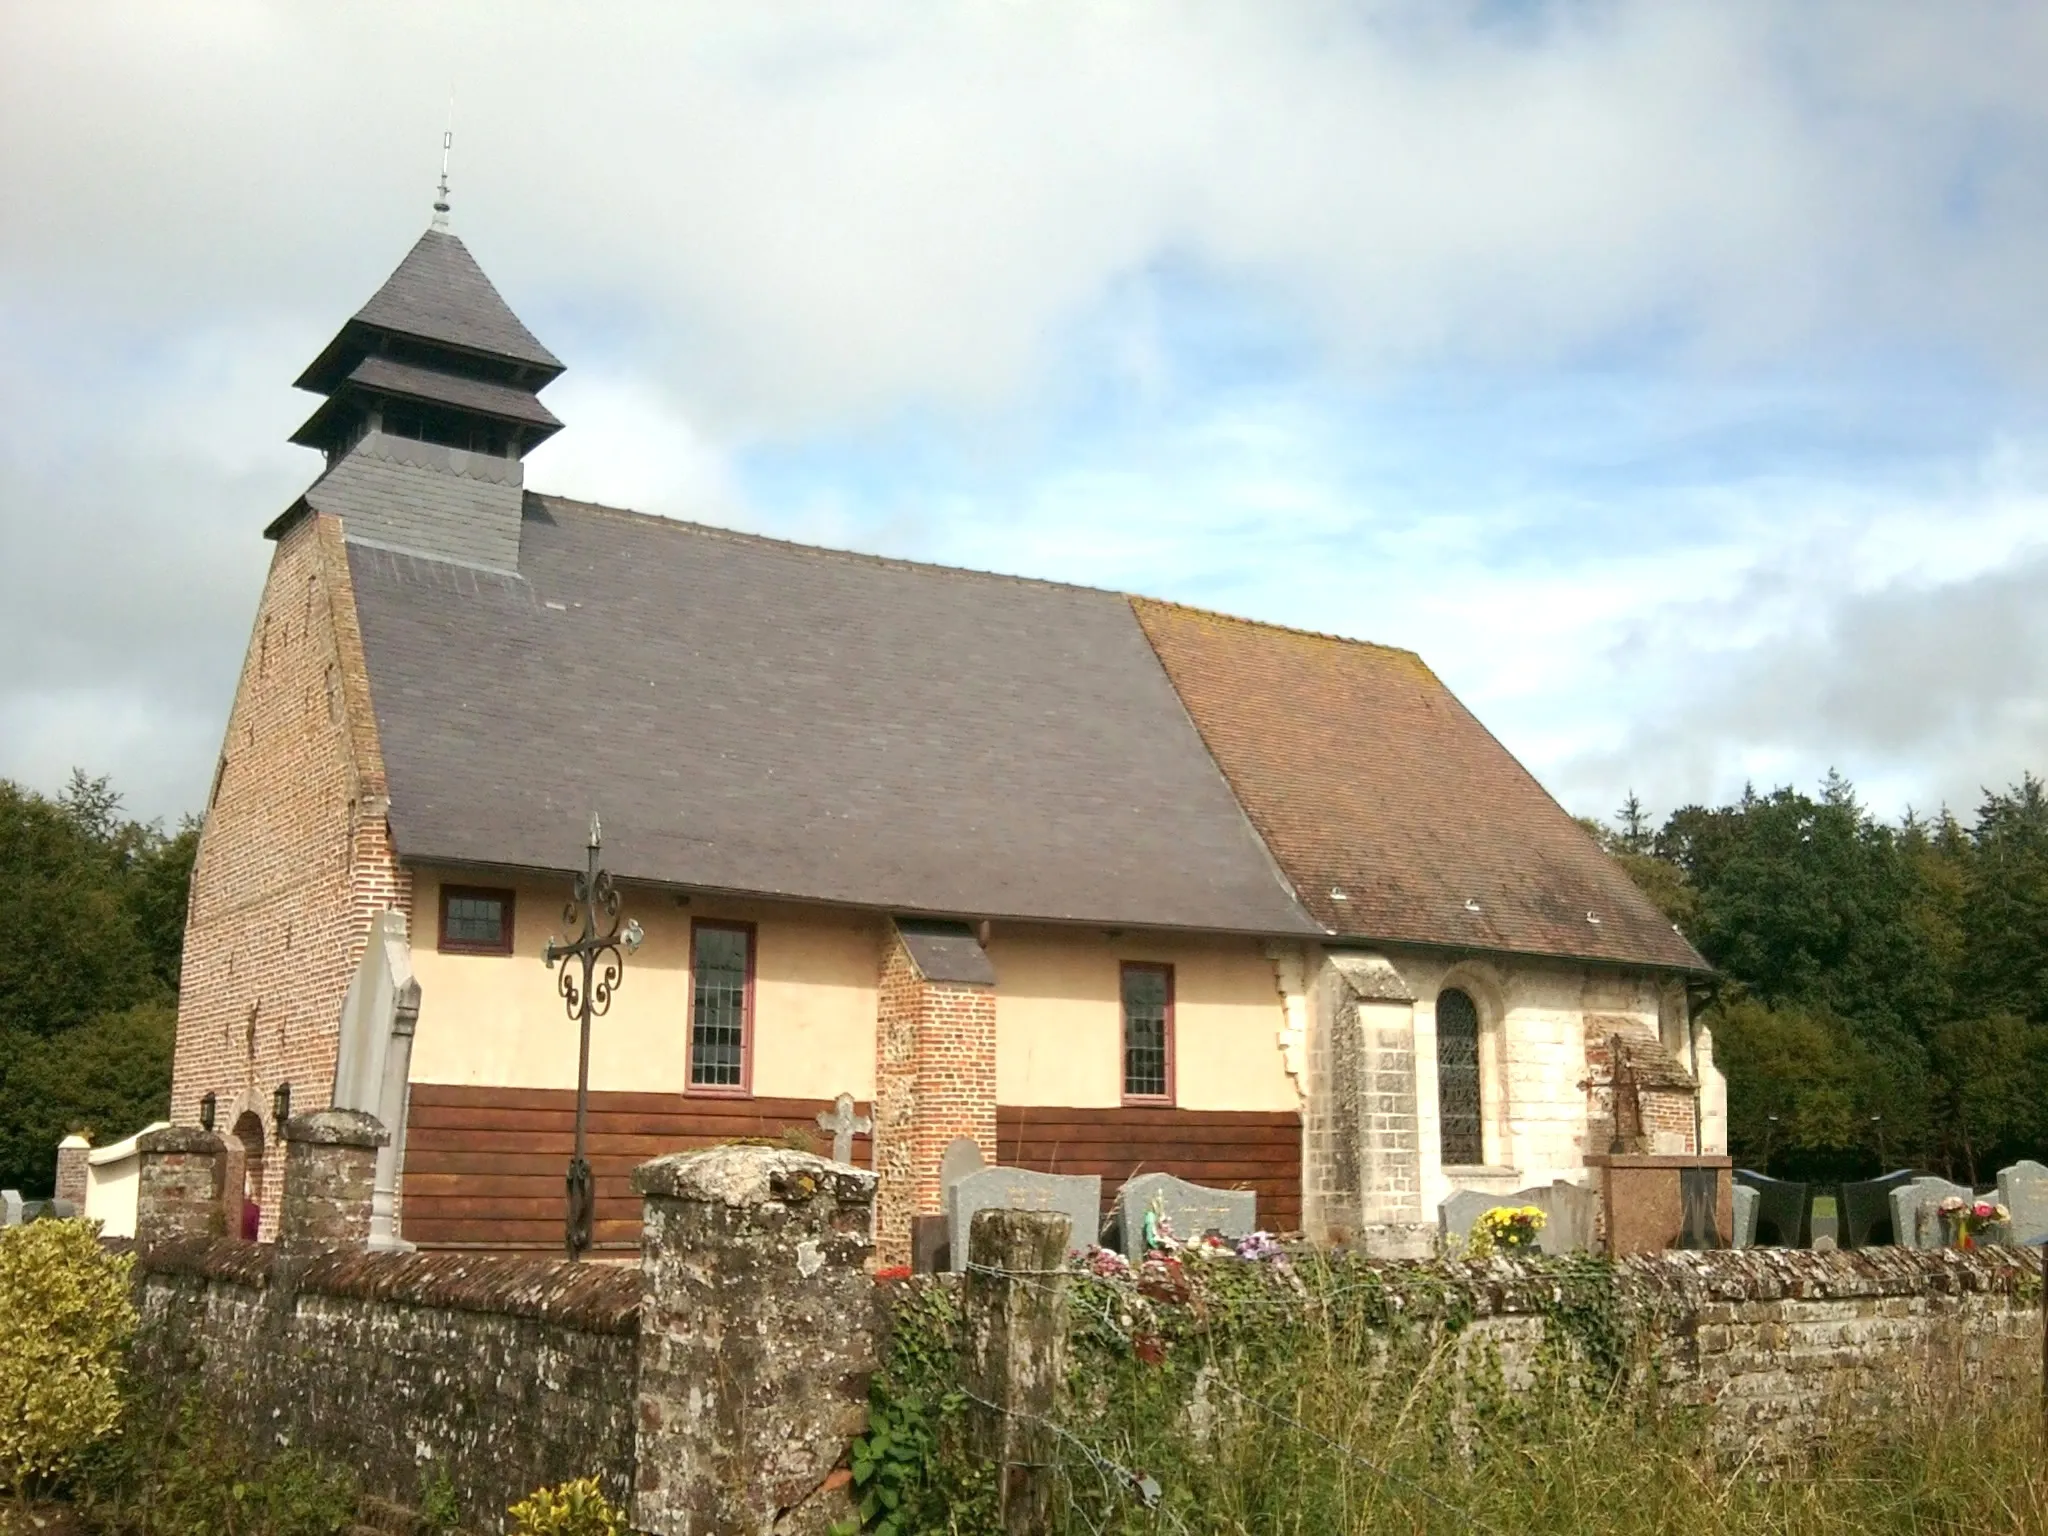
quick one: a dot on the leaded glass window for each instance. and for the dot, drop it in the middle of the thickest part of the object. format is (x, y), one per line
(720, 971)
(1148, 1032)
(476, 921)
(1457, 1079)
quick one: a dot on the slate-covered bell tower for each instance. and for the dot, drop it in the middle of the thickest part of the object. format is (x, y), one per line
(432, 400)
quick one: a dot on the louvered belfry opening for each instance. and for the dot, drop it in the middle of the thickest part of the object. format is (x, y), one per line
(1457, 1079)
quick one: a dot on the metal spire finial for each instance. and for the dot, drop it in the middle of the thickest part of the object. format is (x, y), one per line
(447, 143)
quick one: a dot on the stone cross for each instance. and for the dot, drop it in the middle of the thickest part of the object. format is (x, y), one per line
(844, 1125)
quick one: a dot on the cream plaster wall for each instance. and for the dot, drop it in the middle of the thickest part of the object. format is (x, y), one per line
(497, 1020)
(1059, 1019)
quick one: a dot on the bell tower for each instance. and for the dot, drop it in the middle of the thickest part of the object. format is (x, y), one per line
(431, 401)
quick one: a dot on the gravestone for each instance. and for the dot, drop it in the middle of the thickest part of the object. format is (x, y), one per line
(10, 1207)
(1699, 1208)
(962, 1157)
(1570, 1213)
(1824, 1223)
(1188, 1209)
(1866, 1209)
(844, 1125)
(1916, 1214)
(1078, 1197)
(1459, 1210)
(2023, 1190)
(1781, 1210)
(1745, 1216)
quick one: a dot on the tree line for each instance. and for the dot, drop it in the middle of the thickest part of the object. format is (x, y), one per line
(1882, 998)
(92, 922)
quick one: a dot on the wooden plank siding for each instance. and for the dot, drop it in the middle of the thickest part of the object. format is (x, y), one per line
(1259, 1150)
(484, 1167)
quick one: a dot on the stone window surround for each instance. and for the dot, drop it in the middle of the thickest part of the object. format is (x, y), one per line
(744, 1089)
(508, 901)
(1143, 1100)
(1482, 983)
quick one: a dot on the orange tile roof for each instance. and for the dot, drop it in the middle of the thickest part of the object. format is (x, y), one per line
(1395, 813)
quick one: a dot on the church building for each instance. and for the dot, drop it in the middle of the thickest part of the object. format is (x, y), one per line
(1105, 883)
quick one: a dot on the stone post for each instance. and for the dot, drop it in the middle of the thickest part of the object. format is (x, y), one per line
(330, 1169)
(72, 1152)
(177, 1192)
(1016, 1343)
(757, 1338)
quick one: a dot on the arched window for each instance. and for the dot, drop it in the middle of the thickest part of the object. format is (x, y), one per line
(1457, 1079)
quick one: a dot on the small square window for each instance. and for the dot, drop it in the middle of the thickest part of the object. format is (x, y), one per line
(721, 1006)
(1148, 1033)
(475, 921)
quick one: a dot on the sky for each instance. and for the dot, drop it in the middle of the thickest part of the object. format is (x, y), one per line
(1672, 376)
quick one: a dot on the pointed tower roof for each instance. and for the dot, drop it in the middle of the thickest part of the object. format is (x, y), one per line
(438, 296)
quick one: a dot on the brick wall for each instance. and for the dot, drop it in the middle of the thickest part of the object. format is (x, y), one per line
(935, 1079)
(294, 858)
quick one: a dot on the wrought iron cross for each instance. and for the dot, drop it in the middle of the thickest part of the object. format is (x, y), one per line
(593, 902)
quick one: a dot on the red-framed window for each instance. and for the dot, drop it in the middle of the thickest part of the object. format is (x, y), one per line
(1148, 1033)
(475, 920)
(721, 1007)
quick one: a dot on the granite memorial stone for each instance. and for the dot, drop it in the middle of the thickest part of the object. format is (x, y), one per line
(1078, 1197)
(1866, 1209)
(1781, 1210)
(10, 1207)
(2023, 1190)
(1189, 1210)
(1745, 1216)
(1916, 1211)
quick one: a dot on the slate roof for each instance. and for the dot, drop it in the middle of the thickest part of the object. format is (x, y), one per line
(755, 716)
(388, 376)
(774, 719)
(1397, 815)
(438, 294)
(434, 501)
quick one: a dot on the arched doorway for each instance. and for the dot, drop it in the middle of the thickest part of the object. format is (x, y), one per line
(242, 1190)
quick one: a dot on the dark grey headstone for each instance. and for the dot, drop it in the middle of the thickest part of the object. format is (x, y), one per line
(2023, 1190)
(1866, 1209)
(1188, 1209)
(929, 1253)
(1745, 1216)
(1781, 1210)
(1699, 1207)
(1077, 1196)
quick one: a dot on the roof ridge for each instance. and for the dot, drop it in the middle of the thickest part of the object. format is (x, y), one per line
(1285, 629)
(899, 562)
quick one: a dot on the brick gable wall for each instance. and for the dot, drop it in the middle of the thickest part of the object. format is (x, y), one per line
(294, 858)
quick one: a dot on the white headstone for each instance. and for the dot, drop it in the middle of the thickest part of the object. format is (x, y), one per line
(10, 1207)
(2023, 1190)
(1189, 1210)
(1077, 1196)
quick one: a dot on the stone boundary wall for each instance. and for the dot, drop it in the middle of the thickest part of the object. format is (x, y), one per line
(507, 1373)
